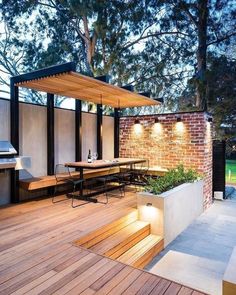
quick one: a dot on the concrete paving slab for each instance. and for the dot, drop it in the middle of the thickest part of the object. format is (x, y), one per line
(203, 274)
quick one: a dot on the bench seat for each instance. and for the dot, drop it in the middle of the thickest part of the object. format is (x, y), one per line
(40, 182)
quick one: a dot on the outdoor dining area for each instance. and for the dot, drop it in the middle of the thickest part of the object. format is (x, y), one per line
(113, 191)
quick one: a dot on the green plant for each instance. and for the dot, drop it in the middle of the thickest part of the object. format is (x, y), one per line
(171, 179)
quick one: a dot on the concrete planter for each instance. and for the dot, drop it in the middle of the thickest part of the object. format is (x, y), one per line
(171, 212)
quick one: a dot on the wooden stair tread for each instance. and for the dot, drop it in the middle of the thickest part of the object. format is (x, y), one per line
(107, 230)
(142, 249)
(121, 238)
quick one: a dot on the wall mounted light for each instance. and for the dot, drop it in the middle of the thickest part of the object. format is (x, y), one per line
(149, 204)
(138, 128)
(178, 119)
(209, 120)
(156, 120)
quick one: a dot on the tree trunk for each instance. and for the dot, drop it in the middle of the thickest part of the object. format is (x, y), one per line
(201, 101)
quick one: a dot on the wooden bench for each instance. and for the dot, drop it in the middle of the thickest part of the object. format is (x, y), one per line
(229, 279)
(40, 182)
(152, 171)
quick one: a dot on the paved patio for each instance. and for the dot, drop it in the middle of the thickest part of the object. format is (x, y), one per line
(200, 254)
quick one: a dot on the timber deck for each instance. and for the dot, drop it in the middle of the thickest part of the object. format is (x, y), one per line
(37, 255)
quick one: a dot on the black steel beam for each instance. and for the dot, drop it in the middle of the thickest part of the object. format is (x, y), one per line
(99, 130)
(104, 78)
(161, 100)
(50, 134)
(128, 87)
(78, 130)
(14, 121)
(147, 94)
(116, 132)
(54, 70)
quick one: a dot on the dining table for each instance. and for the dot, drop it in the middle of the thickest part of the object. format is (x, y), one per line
(99, 164)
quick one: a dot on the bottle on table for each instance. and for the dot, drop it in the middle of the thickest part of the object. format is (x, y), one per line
(89, 159)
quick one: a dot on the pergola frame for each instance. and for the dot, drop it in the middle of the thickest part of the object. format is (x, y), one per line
(39, 76)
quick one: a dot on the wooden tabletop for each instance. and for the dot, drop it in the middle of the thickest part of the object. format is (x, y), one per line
(105, 163)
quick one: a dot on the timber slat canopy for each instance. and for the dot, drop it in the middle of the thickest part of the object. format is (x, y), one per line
(75, 85)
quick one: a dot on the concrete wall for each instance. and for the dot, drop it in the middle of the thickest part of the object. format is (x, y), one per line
(64, 136)
(173, 211)
(33, 137)
(33, 140)
(4, 135)
(89, 131)
(108, 137)
(4, 120)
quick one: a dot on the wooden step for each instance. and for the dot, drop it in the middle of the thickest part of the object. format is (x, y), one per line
(118, 243)
(143, 252)
(107, 230)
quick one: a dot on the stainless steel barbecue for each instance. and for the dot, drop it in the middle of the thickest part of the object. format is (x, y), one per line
(7, 153)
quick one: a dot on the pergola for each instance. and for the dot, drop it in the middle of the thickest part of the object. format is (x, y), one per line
(65, 81)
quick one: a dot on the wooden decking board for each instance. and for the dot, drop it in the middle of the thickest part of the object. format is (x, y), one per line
(173, 289)
(31, 274)
(126, 282)
(149, 285)
(117, 240)
(161, 287)
(139, 249)
(185, 291)
(34, 283)
(137, 284)
(85, 282)
(107, 230)
(98, 284)
(40, 258)
(68, 278)
(29, 263)
(27, 276)
(18, 259)
(119, 277)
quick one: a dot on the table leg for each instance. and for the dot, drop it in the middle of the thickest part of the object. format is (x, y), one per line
(81, 174)
(81, 194)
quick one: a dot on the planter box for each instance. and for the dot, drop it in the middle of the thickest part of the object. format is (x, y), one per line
(171, 212)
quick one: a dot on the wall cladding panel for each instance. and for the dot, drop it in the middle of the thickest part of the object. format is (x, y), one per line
(108, 137)
(33, 137)
(4, 120)
(89, 136)
(64, 136)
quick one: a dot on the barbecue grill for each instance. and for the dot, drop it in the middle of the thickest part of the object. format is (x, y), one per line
(7, 155)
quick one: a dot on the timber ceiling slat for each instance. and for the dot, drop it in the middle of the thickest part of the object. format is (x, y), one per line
(78, 86)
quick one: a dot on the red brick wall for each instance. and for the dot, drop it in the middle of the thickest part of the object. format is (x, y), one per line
(169, 143)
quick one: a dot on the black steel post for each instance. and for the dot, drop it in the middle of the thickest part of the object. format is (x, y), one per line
(78, 130)
(99, 131)
(14, 121)
(50, 134)
(116, 132)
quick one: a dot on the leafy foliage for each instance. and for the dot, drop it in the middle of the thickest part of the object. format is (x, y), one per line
(171, 179)
(153, 45)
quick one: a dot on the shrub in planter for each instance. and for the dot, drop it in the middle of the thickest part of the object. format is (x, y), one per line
(171, 179)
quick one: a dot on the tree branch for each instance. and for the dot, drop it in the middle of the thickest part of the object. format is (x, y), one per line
(221, 39)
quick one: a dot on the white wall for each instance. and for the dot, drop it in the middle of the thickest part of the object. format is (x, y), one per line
(33, 137)
(108, 137)
(64, 136)
(4, 135)
(4, 120)
(89, 131)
